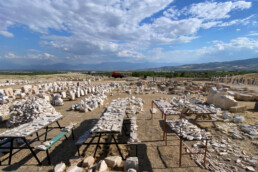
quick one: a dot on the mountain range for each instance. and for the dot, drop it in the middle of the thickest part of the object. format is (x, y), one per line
(246, 64)
(236, 65)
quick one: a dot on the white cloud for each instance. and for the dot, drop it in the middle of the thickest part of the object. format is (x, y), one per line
(129, 53)
(217, 10)
(106, 30)
(253, 34)
(11, 55)
(6, 34)
(238, 48)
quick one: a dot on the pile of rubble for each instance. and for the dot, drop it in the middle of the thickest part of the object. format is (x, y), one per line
(78, 164)
(27, 110)
(225, 151)
(239, 131)
(134, 105)
(188, 130)
(133, 132)
(112, 119)
(57, 100)
(90, 103)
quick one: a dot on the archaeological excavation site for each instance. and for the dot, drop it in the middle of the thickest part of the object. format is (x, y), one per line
(76, 122)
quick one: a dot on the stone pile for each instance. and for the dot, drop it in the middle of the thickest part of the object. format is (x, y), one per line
(57, 100)
(224, 151)
(133, 132)
(239, 131)
(166, 107)
(31, 127)
(112, 119)
(16, 82)
(27, 110)
(188, 130)
(110, 163)
(90, 103)
(134, 106)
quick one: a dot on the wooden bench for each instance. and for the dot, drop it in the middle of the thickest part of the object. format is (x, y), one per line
(51, 142)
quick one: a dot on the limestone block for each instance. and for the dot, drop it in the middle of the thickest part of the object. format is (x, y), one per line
(63, 94)
(226, 115)
(89, 161)
(82, 92)
(26, 88)
(131, 170)
(77, 94)
(236, 109)
(113, 161)
(8, 91)
(238, 119)
(75, 169)
(35, 90)
(72, 96)
(131, 162)
(60, 167)
(243, 97)
(102, 166)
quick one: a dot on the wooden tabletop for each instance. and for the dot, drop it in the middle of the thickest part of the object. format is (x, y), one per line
(32, 127)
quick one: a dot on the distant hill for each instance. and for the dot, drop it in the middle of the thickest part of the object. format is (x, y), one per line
(236, 65)
(106, 66)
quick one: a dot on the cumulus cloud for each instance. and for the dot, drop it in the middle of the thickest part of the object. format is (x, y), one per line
(232, 50)
(217, 10)
(106, 30)
(11, 55)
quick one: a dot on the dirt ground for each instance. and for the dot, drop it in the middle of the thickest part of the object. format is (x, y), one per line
(152, 153)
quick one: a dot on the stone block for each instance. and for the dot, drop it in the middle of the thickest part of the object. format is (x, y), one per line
(89, 161)
(102, 166)
(244, 97)
(113, 161)
(238, 119)
(8, 92)
(75, 169)
(60, 167)
(237, 109)
(131, 162)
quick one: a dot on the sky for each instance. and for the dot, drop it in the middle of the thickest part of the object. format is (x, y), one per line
(35, 32)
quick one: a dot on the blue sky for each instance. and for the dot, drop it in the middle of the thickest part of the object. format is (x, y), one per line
(36, 32)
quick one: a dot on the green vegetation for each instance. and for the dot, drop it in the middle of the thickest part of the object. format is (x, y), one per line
(190, 74)
(187, 74)
(30, 73)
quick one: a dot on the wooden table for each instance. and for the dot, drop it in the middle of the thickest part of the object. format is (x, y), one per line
(166, 109)
(201, 111)
(110, 123)
(205, 137)
(28, 129)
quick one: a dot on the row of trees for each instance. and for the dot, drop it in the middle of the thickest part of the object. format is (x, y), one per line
(30, 72)
(189, 74)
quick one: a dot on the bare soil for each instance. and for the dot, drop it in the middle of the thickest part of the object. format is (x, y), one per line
(152, 153)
